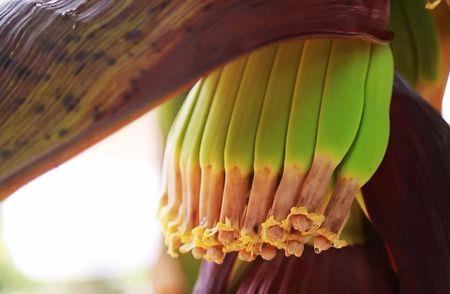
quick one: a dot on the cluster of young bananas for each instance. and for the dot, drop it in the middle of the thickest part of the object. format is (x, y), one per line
(269, 151)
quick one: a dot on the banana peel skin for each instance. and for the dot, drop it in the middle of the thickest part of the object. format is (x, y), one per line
(74, 71)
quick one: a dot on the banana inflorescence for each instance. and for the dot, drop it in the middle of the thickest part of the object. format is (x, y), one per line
(269, 151)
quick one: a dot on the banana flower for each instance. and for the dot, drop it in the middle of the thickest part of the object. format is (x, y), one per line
(74, 71)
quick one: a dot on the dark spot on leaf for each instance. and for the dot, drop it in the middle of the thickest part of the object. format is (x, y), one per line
(102, 55)
(22, 142)
(39, 108)
(3, 58)
(63, 132)
(134, 84)
(206, 7)
(91, 35)
(70, 102)
(255, 228)
(110, 60)
(23, 72)
(5, 153)
(155, 46)
(98, 113)
(6, 62)
(19, 100)
(133, 35)
(36, 80)
(57, 93)
(163, 4)
(79, 69)
(97, 55)
(46, 77)
(61, 56)
(48, 47)
(127, 97)
(81, 56)
(69, 38)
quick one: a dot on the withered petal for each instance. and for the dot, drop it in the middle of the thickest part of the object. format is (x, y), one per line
(72, 72)
(408, 199)
(213, 277)
(356, 269)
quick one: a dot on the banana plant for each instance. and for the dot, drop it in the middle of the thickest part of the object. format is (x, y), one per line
(302, 158)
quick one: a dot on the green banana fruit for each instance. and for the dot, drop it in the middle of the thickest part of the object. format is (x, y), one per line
(171, 178)
(368, 149)
(300, 140)
(340, 114)
(212, 160)
(267, 135)
(270, 144)
(240, 144)
(169, 204)
(180, 227)
(167, 112)
(189, 157)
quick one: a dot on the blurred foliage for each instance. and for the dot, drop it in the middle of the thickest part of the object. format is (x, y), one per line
(190, 267)
(10, 278)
